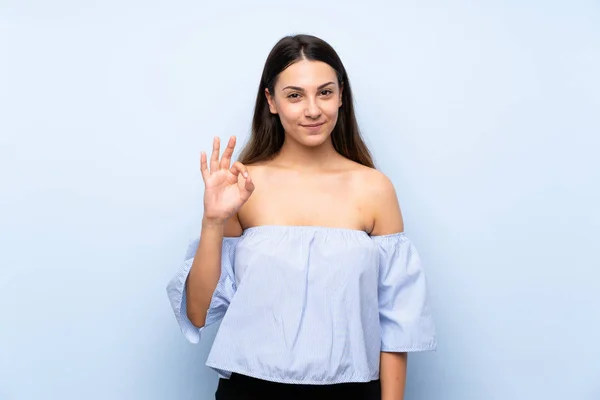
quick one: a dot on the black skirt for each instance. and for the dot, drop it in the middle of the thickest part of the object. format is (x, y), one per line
(242, 387)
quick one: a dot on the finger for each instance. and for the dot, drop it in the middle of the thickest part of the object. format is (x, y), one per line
(204, 166)
(238, 168)
(249, 186)
(214, 157)
(226, 159)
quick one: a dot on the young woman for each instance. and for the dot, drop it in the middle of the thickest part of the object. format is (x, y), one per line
(302, 254)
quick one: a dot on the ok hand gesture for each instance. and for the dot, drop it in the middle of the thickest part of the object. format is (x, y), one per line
(225, 192)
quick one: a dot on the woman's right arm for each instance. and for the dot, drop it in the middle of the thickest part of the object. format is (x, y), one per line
(206, 267)
(227, 188)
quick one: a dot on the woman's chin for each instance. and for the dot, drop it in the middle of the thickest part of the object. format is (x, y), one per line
(311, 138)
(314, 140)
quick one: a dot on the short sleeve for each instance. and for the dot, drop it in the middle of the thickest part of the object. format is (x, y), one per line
(404, 312)
(176, 289)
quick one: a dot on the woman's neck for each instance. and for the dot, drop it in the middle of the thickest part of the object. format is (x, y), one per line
(299, 157)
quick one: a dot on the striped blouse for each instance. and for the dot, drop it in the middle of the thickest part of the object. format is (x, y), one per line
(310, 304)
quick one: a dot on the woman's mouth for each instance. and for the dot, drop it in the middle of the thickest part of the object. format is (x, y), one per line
(313, 127)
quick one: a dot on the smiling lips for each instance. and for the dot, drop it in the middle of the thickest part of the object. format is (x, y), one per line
(313, 127)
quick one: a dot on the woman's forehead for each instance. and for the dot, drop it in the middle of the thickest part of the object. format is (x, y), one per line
(307, 74)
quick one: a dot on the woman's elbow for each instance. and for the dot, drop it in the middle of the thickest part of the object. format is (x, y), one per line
(197, 318)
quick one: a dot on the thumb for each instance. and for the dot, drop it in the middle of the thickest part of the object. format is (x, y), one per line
(248, 187)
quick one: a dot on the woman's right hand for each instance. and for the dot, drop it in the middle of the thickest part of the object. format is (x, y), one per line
(224, 192)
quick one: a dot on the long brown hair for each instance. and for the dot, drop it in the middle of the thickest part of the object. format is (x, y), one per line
(267, 134)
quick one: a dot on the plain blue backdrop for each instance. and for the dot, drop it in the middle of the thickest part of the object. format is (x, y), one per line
(485, 115)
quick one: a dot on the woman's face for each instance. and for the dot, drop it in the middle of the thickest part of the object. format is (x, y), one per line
(307, 98)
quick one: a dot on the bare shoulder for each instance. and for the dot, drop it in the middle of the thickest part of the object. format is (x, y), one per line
(374, 181)
(233, 227)
(381, 197)
(371, 181)
(258, 170)
(259, 173)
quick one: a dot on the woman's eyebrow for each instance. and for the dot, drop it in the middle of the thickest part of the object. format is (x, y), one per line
(302, 90)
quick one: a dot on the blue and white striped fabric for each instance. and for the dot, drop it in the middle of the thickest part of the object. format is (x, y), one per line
(311, 305)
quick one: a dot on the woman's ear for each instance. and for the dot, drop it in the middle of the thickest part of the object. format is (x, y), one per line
(271, 102)
(341, 91)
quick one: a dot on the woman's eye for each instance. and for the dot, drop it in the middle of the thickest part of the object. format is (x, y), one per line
(326, 92)
(293, 96)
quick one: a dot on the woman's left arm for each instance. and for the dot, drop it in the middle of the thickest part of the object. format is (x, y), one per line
(392, 373)
(388, 220)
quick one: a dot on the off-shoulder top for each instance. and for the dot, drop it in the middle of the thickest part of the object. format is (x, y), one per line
(310, 304)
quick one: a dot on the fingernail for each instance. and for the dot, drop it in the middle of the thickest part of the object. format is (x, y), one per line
(245, 174)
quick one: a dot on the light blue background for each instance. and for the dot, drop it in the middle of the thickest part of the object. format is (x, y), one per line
(484, 115)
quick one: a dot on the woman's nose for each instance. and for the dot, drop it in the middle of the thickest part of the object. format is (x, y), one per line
(312, 109)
